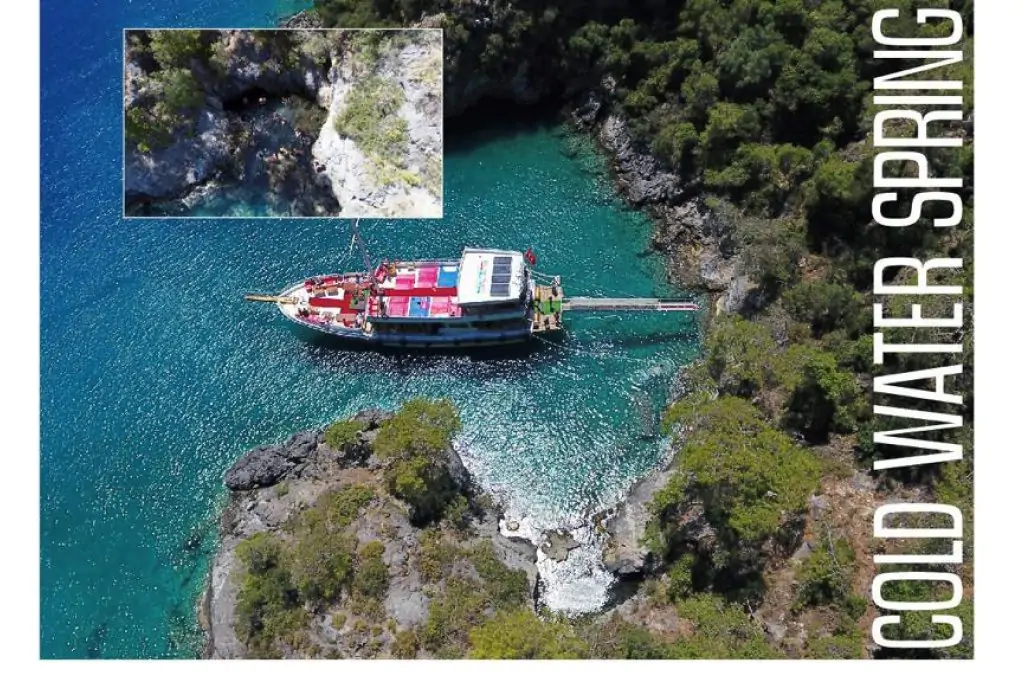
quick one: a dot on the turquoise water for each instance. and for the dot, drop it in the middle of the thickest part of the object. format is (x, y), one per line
(156, 375)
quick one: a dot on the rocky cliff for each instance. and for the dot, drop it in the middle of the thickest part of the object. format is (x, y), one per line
(253, 118)
(366, 178)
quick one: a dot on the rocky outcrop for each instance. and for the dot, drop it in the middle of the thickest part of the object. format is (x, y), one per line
(639, 175)
(270, 484)
(698, 241)
(264, 132)
(626, 554)
(232, 126)
(304, 19)
(302, 453)
(243, 62)
(557, 545)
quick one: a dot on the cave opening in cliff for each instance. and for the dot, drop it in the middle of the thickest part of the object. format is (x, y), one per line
(249, 99)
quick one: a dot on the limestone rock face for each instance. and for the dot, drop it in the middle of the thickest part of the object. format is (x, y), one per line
(245, 63)
(626, 555)
(363, 185)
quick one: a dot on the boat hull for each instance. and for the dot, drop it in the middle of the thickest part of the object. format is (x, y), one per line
(451, 341)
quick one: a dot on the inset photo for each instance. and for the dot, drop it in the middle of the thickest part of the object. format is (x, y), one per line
(300, 123)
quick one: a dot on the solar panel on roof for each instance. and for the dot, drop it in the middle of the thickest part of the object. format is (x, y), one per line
(501, 275)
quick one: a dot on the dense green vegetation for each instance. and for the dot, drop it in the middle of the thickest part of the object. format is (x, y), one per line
(416, 446)
(522, 635)
(763, 109)
(176, 91)
(284, 581)
(371, 119)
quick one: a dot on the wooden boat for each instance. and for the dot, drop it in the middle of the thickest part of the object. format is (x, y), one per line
(488, 297)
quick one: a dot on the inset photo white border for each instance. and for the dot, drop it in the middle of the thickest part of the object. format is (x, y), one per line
(327, 123)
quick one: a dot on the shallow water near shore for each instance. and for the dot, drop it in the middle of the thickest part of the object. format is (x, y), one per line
(156, 375)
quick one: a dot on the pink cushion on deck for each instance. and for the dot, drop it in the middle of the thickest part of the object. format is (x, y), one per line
(427, 277)
(440, 306)
(405, 281)
(398, 307)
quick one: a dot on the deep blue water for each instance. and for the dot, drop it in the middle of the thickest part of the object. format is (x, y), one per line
(156, 375)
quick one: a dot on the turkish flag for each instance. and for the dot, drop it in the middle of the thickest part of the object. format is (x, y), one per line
(530, 258)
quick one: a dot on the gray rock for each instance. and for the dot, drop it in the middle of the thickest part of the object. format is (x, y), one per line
(457, 471)
(640, 175)
(586, 114)
(304, 19)
(406, 603)
(558, 544)
(625, 553)
(266, 465)
(372, 418)
(818, 506)
(862, 480)
(260, 468)
(517, 554)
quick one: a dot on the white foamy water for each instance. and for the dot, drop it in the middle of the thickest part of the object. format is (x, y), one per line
(580, 583)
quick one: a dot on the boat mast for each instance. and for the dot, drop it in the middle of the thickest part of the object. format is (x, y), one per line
(362, 246)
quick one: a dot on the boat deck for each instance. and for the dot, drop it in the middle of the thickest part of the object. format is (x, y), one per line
(418, 290)
(547, 308)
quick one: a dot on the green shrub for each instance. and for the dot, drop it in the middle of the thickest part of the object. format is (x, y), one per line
(451, 616)
(174, 49)
(680, 576)
(308, 116)
(845, 645)
(371, 575)
(520, 634)
(826, 577)
(343, 433)
(721, 631)
(740, 355)
(424, 484)
(324, 554)
(180, 89)
(827, 307)
(268, 610)
(436, 555)
(147, 130)
(749, 476)
(420, 427)
(504, 586)
(405, 645)
(322, 564)
(370, 118)
(827, 400)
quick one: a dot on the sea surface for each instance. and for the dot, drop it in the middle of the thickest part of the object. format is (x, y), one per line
(156, 375)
